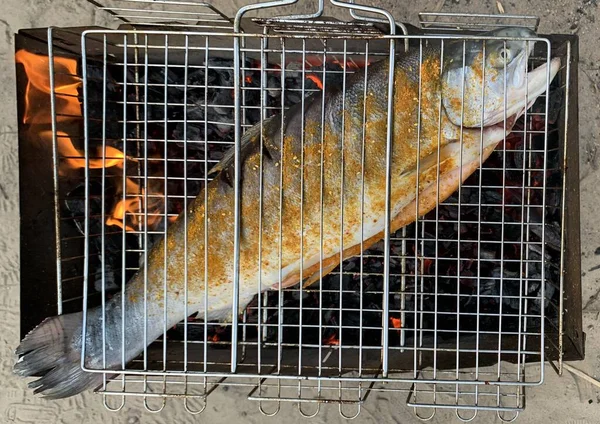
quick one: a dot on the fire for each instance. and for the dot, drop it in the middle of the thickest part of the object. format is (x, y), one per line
(332, 340)
(118, 213)
(74, 158)
(132, 206)
(128, 212)
(396, 322)
(37, 92)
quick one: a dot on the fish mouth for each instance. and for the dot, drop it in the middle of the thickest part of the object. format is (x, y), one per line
(519, 99)
(508, 123)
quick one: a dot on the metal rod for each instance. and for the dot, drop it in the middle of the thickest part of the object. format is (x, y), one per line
(166, 205)
(206, 244)
(388, 172)
(561, 307)
(103, 206)
(185, 210)
(55, 168)
(236, 208)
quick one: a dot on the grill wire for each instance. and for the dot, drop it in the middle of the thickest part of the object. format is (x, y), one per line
(148, 94)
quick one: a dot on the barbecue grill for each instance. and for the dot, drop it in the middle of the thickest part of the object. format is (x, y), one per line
(447, 311)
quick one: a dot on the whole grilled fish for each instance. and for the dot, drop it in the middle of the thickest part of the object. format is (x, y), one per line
(312, 190)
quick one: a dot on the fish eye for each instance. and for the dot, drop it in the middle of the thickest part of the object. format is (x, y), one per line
(505, 54)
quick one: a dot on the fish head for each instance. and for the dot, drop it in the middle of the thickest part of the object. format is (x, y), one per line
(485, 87)
(486, 83)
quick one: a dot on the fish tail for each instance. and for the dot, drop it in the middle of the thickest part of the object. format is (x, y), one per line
(52, 350)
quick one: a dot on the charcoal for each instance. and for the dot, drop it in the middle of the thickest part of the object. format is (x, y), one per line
(95, 76)
(273, 87)
(104, 116)
(196, 78)
(75, 207)
(109, 255)
(534, 268)
(194, 332)
(553, 198)
(194, 132)
(549, 294)
(491, 197)
(535, 252)
(555, 104)
(511, 288)
(112, 263)
(488, 253)
(551, 234)
(292, 97)
(489, 286)
(469, 196)
(157, 76)
(553, 180)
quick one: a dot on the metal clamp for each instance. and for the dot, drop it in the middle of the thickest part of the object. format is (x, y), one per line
(353, 7)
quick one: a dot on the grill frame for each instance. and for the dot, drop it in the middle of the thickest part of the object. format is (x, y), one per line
(415, 382)
(238, 374)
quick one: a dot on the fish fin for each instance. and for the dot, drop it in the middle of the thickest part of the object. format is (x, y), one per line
(317, 275)
(52, 350)
(247, 143)
(227, 176)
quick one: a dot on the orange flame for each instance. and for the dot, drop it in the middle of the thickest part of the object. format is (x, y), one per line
(118, 213)
(74, 158)
(396, 322)
(37, 92)
(128, 212)
(133, 206)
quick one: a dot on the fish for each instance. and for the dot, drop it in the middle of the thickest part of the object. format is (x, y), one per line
(313, 188)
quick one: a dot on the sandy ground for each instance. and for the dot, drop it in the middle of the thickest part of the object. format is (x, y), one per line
(565, 399)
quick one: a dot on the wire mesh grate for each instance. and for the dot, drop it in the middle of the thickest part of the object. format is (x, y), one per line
(469, 292)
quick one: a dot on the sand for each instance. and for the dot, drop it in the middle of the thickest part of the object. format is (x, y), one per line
(565, 399)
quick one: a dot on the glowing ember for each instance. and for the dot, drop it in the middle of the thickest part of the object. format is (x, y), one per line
(396, 322)
(332, 340)
(427, 262)
(316, 80)
(351, 64)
